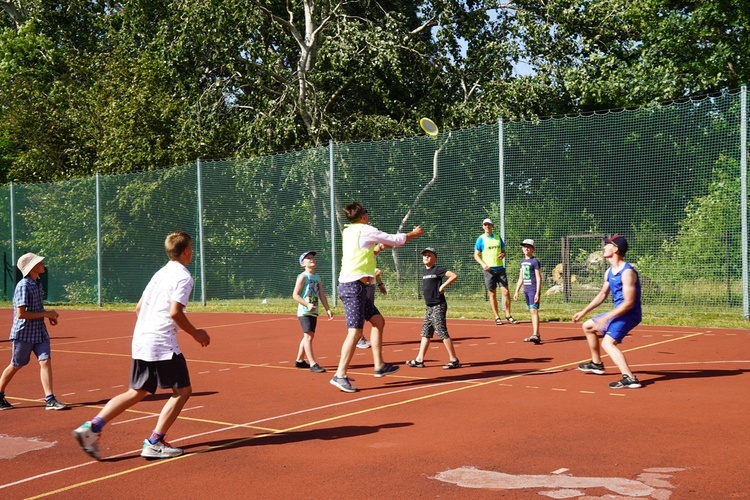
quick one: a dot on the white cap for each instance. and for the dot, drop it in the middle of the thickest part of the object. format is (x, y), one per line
(27, 262)
(528, 242)
(488, 221)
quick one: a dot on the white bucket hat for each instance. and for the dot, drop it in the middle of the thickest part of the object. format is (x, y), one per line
(27, 261)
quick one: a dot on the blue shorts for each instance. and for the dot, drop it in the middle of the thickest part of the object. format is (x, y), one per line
(22, 352)
(358, 307)
(529, 294)
(167, 374)
(620, 326)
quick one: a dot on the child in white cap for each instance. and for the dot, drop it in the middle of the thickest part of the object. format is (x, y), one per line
(29, 332)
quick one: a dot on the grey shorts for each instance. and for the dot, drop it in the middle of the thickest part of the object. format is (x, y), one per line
(308, 323)
(435, 321)
(167, 374)
(22, 352)
(494, 278)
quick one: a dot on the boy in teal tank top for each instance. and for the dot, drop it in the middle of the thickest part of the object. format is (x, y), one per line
(308, 292)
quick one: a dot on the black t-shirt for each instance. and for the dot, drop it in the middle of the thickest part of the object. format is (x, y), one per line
(432, 278)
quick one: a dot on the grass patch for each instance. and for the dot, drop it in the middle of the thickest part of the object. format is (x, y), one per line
(475, 307)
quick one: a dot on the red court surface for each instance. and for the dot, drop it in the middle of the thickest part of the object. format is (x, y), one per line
(516, 421)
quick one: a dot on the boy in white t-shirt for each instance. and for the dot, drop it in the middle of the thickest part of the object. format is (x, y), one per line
(157, 359)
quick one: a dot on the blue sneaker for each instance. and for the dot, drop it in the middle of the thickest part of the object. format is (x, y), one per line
(386, 370)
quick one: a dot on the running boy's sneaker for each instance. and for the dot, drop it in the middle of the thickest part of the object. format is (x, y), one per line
(162, 449)
(88, 440)
(363, 343)
(386, 370)
(343, 384)
(54, 404)
(592, 367)
(627, 382)
(301, 364)
(4, 405)
(534, 339)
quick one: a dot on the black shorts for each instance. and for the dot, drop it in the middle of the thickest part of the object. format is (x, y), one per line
(308, 323)
(167, 374)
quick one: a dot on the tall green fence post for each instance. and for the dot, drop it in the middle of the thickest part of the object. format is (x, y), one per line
(12, 233)
(202, 260)
(98, 242)
(743, 202)
(333, 223)
(501, 174)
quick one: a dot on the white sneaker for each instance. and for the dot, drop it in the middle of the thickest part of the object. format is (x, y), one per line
(88, 440)
(363, 343)
(162, 449)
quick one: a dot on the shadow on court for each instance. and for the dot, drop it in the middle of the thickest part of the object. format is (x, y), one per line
(578, 338)
(159, 396)
(664, 376)
(324, 434)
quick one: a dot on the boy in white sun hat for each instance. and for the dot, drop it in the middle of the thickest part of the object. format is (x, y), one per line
(29, 332)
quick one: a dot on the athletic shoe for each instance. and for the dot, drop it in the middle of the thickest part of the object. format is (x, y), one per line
(452, 365)
(627, 382)
(592, 367)
(162, 449)
(534, 338)
(88, 440)
(343, 384)
(4, 405)
(415, 364)
(54, 404)
(301, 364)
(511, 320)
(363, 343)
(386, 370)
(316, 368)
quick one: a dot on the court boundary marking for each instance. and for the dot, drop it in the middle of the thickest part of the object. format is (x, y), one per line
(313, 423)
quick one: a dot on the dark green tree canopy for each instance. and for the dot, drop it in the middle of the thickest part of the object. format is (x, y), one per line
(120, 86)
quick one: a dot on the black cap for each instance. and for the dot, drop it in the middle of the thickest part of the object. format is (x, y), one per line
(619, 241)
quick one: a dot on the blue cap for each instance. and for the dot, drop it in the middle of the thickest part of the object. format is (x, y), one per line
(302, 257)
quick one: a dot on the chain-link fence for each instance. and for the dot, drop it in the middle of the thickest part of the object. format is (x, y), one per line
(671, 178)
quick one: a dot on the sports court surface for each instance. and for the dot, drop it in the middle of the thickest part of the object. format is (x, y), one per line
(517, 421)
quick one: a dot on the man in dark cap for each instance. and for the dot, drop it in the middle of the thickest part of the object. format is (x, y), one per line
(622, 280)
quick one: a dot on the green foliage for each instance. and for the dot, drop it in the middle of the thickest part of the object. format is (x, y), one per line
(115, 87)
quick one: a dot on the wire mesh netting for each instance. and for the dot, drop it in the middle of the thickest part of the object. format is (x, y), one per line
(666, 177)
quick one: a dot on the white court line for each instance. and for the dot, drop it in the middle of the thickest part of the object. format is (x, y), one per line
(215, 431)
(268, 419)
